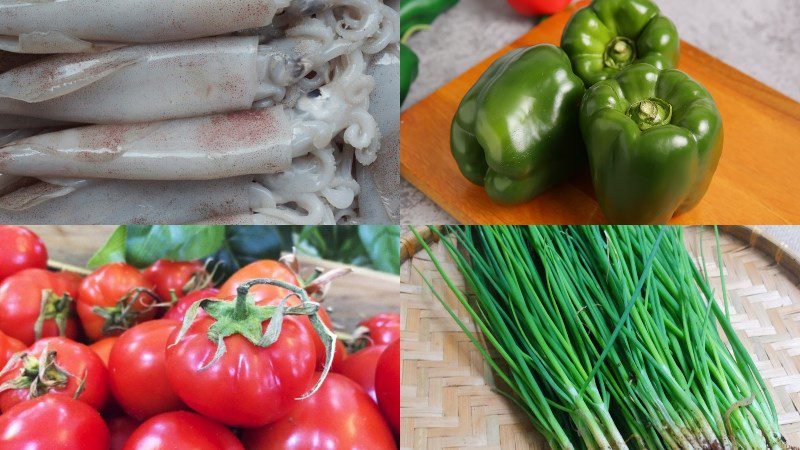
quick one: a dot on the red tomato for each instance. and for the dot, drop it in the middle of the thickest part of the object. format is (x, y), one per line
(103, 348)
(538, 7)
(249, 386)
(178, 310)
(21, 304)
(21, 249)
(360, 367)
(338, 416)
(9, 346)
(182, 277)
(382, 329)
(137, 373)
(182, 430)
(260, 269)
(387, 385)
(121, 428)
(111, 287)
(319, 348)
(72, 364)
(53, 422)
(339, 357)
(272, 295)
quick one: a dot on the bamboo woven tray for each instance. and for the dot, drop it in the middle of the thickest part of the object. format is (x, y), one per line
(446, 398)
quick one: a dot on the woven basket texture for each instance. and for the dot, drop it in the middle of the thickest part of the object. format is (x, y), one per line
(446, 387)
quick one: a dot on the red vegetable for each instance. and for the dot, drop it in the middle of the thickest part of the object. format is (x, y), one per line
(9, 346)
(361, 366)
(103, 348)
(56, 366)
(339, 416)
(178, 310)
(249, 385)
(260, 269)
(20, 248)
(182, 277)
(182, 430)
(123, 295)
(387, 385)
(21, 304)
(272, 295)
(121, 428)
(381, 329)
(53, 422)
(538, 7)
(137, 371)
(319, 348)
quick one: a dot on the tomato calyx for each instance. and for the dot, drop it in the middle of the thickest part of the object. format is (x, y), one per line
(244, 317)
(122, 316)
(360, 339)
(318, 283)
(55, 307)
(200, 280)
(39, 374)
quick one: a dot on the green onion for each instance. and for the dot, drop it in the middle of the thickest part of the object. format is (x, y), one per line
(607, 337)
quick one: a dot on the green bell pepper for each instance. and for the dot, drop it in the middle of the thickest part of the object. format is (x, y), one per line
(608, 35)
(517, 131)
(409, 69)
(414, 13)
(654, 139)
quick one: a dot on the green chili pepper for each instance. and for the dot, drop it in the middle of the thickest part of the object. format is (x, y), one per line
(409, 69)
(516, 131)
(421, 12)
(654, 139)
(608, 35)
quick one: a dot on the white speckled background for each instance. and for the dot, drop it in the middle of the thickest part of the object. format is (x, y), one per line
(761, 38)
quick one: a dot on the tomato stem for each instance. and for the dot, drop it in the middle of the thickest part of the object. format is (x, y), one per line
(53, 307)
(245, 318)
(38, 375)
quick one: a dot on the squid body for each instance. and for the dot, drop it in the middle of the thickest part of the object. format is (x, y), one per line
(162, 81)
(73, 26)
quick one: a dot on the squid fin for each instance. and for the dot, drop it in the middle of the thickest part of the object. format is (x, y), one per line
(48, 78)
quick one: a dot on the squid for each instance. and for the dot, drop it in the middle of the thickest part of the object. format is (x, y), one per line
(257, 141)
(145, 202)
(78, 26)
(155, 82)
(311, 192)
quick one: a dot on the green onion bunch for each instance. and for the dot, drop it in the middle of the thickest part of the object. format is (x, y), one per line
(608, 337)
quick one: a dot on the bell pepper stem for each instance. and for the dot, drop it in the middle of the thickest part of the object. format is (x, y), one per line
(651, 112)
(619, 53)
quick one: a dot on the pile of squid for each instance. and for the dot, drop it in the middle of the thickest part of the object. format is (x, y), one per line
(183, 111)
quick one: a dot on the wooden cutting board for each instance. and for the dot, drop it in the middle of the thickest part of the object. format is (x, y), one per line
(756, 182)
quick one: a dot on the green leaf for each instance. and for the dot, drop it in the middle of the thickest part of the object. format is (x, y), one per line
(112, 251)
(383, 245)
(146, 244)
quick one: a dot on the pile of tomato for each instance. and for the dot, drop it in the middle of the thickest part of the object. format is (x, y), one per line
(98, 362)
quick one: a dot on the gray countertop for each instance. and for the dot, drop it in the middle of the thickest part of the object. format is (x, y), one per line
(759, 38)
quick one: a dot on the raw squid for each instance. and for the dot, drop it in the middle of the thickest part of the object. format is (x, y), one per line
(166, 81)
(310, 192)
(77, 26)
(119, 201)
(256, 141)
(198, 148)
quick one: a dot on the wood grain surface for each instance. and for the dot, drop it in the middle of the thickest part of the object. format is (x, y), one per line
(351, 298)
(756, 182)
